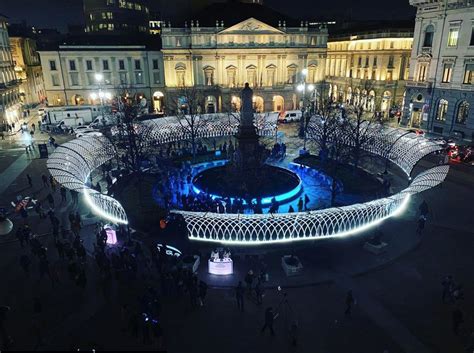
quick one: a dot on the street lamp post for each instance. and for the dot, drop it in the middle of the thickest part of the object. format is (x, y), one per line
(304, 88)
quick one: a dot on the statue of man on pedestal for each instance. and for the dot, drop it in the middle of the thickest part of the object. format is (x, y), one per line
(246, 114)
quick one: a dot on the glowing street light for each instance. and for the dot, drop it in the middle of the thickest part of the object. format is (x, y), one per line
(310, 87)
(304, 72)
(99, 77)
(300, 87)
(93, 96)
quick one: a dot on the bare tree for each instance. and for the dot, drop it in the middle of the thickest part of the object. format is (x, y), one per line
(189, 115)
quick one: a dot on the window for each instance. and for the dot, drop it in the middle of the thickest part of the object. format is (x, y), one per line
(392, 45)
(390, 61)
(110, 2)
(155, 64)
(429, 33)
(52, 65)
(374, 63)
(123, 77)
(156, 77)
(55, 79)
(91, 78)
(105, 64)
(74, 78)
(89, 65)
(367, 61)
(463, 113)
(422, 71)
(138, 78)
(121, 65)
(359, 61)
(442, 109)
(373, 75)
(447, 72)
(107, 15)
(72, 65)
(468, 74)
(137, 65)
(453, 37)
(389, 75)
(471, 42)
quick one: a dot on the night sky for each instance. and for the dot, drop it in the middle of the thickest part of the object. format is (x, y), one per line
(60, 13)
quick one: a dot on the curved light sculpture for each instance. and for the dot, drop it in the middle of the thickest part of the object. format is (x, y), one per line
(73, 162)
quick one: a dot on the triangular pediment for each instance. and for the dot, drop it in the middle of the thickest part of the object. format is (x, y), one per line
(251, 25)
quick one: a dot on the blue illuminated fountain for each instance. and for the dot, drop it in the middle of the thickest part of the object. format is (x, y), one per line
(246, 176)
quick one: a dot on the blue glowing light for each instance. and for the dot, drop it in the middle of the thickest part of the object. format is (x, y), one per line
(265, 201)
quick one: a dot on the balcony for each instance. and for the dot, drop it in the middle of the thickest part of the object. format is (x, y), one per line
(419, 84)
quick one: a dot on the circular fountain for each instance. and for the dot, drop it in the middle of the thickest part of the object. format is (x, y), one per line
(246, 176)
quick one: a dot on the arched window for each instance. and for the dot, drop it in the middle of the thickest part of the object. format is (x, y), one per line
(429, 33)
(463, 113)
(442, 109)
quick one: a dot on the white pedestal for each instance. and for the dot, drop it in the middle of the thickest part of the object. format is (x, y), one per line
(221, 267)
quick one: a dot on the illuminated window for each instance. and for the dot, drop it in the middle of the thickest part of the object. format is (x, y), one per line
(110, 2)
(389, 75)
(122, 3)
(422, 71)
(390, 61)
(453, 37)
(463, 113)
(468, 74)
(447, 72)
(442, 109)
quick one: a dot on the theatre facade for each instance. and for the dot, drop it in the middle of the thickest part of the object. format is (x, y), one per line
(217, 61)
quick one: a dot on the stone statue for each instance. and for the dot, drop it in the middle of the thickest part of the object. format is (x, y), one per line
(246, 114)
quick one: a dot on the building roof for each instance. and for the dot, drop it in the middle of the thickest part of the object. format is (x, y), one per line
(107, 41)
(233, 12)
(345, 30)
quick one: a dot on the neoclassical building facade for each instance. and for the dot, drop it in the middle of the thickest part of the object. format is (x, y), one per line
(440, 87)
(219, 60)
(369, 68)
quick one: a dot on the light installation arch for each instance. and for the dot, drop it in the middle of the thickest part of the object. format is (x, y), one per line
(72, 163)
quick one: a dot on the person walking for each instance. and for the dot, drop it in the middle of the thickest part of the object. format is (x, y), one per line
(423, 208)
(259, 292)
(50, 199)
(44, 178)
(448, 285)
(421, 224)
(202, 292)
(30, 181)
(269, 319)
(249, 281)
(458, 319)
(239, 295)
(306, 201)
(62, 191)
(300, 204)
(25, 264)
(349, 302)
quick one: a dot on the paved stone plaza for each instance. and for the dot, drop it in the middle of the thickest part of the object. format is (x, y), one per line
(398, 295)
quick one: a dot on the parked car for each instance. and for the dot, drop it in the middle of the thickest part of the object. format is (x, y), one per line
(88, 132)
(290, 116)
